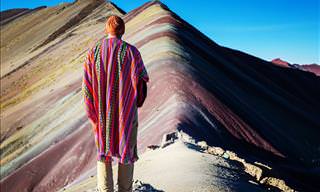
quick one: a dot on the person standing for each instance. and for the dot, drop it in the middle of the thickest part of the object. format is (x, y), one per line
(114, 86)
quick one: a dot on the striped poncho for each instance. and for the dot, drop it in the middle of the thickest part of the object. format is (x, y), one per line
(112, 70)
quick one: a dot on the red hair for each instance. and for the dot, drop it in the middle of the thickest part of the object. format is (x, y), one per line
(115, 25)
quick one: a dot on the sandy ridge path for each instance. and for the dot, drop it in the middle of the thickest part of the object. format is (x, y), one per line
(181, 164)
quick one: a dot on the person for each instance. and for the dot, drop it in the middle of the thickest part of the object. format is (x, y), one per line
(114, 87)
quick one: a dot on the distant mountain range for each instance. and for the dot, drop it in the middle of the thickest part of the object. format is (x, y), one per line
(215, 118)
(313, 68)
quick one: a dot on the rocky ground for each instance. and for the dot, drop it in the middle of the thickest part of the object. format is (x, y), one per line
(175, 166)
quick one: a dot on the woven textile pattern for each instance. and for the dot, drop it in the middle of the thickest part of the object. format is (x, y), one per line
(112, 70)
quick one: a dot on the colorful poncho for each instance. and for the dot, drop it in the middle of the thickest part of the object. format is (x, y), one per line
(112, 71)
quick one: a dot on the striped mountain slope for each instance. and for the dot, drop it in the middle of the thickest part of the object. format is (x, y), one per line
(42, 114)
(223, 96)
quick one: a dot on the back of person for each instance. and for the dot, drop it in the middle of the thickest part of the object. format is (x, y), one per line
(114, 86)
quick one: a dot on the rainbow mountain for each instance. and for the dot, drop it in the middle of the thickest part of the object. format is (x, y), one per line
(215, 118)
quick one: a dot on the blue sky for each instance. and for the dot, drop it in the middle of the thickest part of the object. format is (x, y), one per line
(267, 29)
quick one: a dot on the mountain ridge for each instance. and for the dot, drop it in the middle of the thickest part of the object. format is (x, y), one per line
(313, 68)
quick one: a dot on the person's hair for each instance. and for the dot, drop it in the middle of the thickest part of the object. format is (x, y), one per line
(115, 25)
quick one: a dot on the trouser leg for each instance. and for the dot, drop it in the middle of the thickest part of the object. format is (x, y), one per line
(125, 176)
(104, 176)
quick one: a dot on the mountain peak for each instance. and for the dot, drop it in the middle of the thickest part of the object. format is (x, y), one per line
(280, 62)
(116, 7)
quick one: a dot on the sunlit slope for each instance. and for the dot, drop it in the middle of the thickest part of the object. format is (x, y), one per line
(42, 116)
